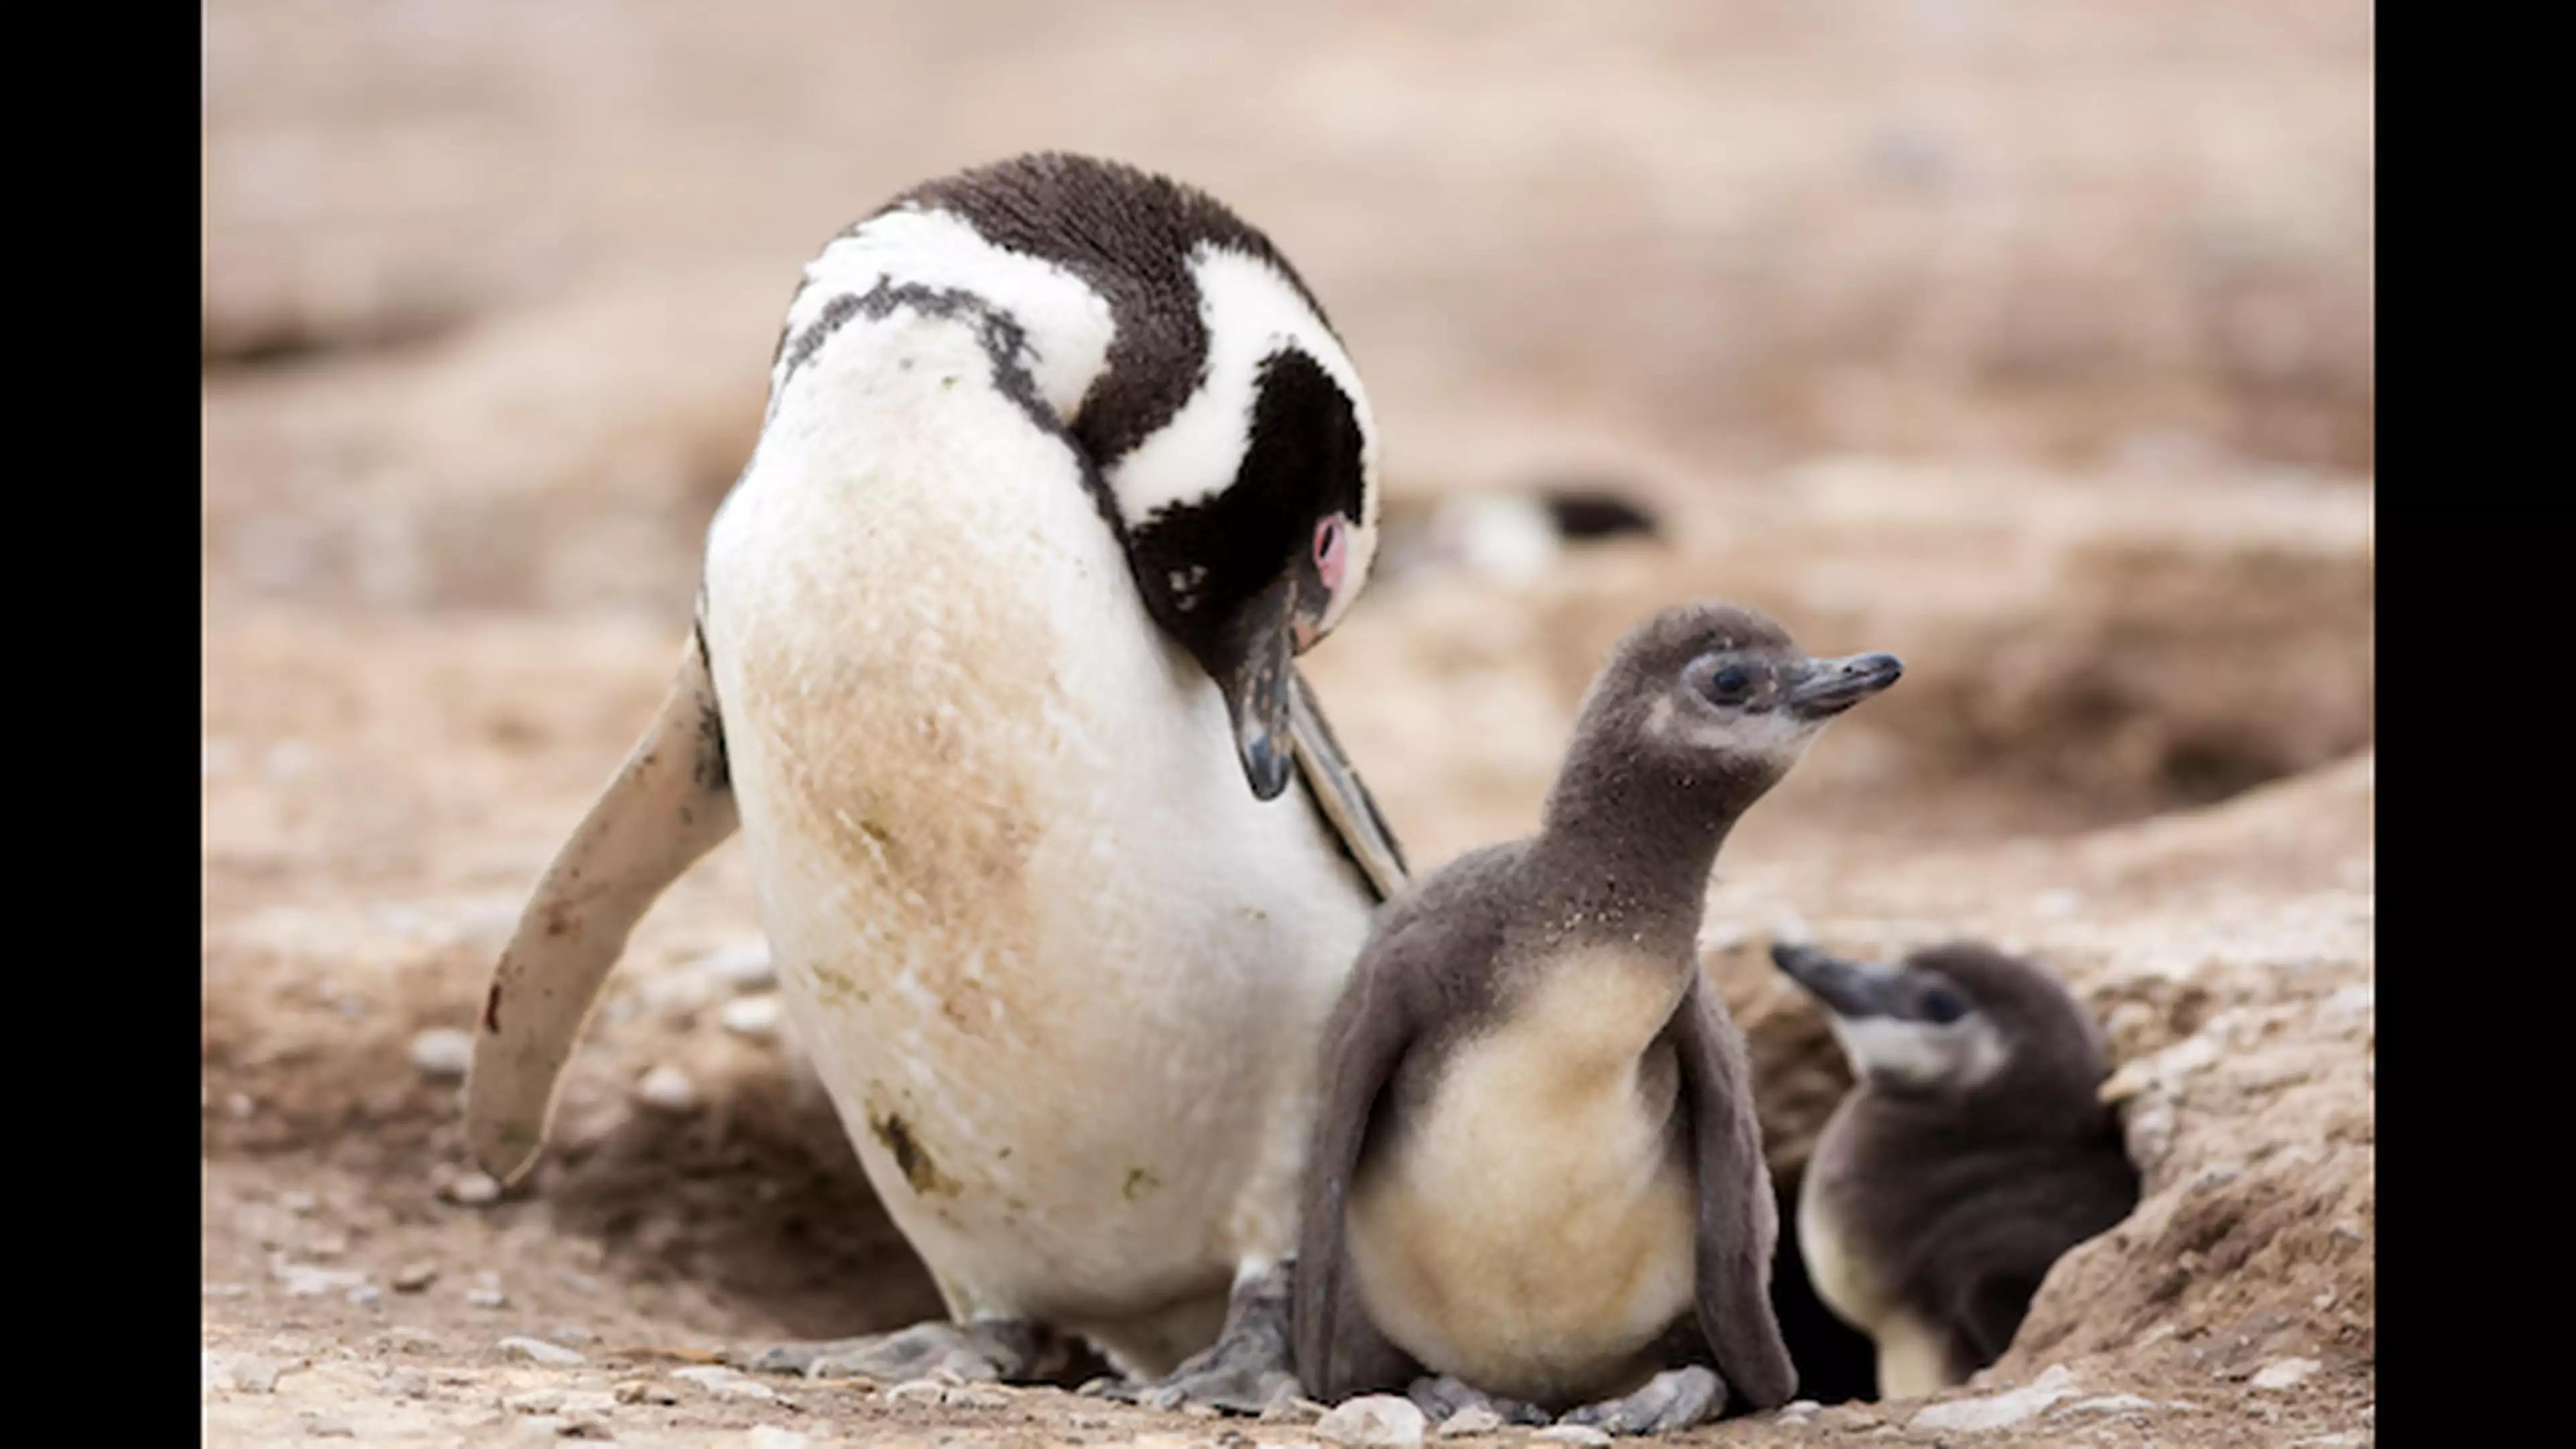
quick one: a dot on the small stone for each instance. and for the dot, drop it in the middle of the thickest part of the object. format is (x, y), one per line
(251, 1375)
(1096, 1387)
(1374, 1419)
(366, 1295)
(972, 1397)
(318, 1427)
(917, 1391)
(644, 1391)
(540, 1351)
(408, 1383)
(744, 966)
(442, 1053)
(485, 1298)
(1997, 1411)
(2282, 1373)
(303, 1280)
(535, 1401)
(667, 1089)
(1473, 1419)
(1198, 1411)
(726, 1383)
(1573, 1434)
(1798, 1411)
(413, 1277)
(472, 1189)
(755, 1016)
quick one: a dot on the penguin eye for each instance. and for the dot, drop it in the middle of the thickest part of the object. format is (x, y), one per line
(1942, 1006)
(1729, 683)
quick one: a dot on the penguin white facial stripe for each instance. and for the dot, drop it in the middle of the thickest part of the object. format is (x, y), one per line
(1063, 327)
(1250, 312)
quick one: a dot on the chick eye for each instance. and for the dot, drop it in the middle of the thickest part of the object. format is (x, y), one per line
(1943, 1006)
(1729, 682)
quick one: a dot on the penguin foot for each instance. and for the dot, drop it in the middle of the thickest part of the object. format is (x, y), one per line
(1674, 1399)
(1248, 1368)
(994, 1350)
(1439, 1398)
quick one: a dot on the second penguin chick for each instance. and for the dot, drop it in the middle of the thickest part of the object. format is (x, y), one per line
(1536, 1171)
(1971, 1153)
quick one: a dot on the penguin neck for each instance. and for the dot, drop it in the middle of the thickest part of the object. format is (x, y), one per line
(1625, 850)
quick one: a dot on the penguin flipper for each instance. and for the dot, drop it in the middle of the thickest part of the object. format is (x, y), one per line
(1339, 793)
(1365, 1039)
(1738, 1220)
(670, 803)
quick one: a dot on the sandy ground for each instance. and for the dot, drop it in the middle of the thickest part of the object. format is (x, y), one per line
(2030, 345)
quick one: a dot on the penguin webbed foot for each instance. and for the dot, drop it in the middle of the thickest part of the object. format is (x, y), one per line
(993, 1351)
(1441, 1397)
(1674, 1399)
(1249, 1368)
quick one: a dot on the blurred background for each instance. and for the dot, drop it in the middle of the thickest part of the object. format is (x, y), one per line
(2032, 342)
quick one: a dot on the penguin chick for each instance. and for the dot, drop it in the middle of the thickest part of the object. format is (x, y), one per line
(1536, 1172)
(1970, 1154)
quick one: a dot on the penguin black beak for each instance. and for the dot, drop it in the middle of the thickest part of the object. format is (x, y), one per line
(1827, 687)
(1845, 988)
(1255, 684)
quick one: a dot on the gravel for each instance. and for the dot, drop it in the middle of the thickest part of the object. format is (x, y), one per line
(540, 1351)
(442, 1053)
(1373, 1419)
(1997, 1411)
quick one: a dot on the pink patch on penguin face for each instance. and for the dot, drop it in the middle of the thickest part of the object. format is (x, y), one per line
(1331, 552)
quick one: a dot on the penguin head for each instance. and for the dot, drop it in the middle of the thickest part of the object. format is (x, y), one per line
(1718, 692)
(1951, 1020)
(1252, 514)
(1221, 421)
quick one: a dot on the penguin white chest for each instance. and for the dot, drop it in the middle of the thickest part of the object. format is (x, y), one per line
(1061, 972)
(1532, 1230)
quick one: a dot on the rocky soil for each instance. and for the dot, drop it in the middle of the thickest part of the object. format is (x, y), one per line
(2030, 344)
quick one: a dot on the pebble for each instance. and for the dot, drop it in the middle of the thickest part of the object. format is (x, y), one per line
(1798, 1411)
(472, 1189)
(1473, 1419)
(442, 1053)
(986, 1398)
(917, 1391)
(485, 1298)
(1290, 1407)
(408, 1383)
(541, 1351)
(750, 1016)
(245, 1373)
(303, 1280)
(1573, 1434)
(667, 1089)
(726, 1383)
(366, 1295)
(413, 1277)
(644, 1391)
(2282, 1373)
(1997, 1411)
(745, 965)
(1374, 1419)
